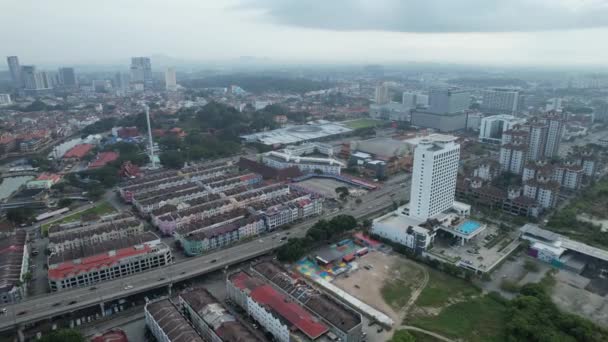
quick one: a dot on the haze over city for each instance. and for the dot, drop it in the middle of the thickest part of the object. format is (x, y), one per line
(304, 171)
(520, 32)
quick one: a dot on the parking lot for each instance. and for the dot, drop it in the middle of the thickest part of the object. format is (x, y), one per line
(327, 187)
(482, 252)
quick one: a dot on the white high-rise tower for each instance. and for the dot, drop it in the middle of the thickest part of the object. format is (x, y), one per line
(434, 176)
(170, 80)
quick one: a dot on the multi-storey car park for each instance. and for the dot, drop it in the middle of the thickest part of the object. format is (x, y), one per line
(106, 260)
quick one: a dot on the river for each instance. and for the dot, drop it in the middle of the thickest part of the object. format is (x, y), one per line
(11, 184)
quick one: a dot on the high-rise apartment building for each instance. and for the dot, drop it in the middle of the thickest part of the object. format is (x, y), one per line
(555, 132)
(381, 96)
(170, 80)
(448, 101)
(121, 81)
(67, 77)
(434, 176)
(537, 139)
(5, 99)
(15, 70)
(35, 81)
(141, 70)
(500, 101)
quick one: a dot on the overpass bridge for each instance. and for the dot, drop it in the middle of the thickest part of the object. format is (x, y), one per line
(46, 306)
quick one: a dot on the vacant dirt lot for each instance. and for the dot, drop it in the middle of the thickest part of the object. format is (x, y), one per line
(391, 277)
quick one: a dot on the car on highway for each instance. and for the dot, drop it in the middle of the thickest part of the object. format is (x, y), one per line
(213, 261)
(128, 287)
(72, 302)
(56, 304)
(21, 313)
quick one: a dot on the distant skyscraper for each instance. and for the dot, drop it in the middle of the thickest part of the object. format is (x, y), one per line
(448, 101)
(121, 81)
(413, 100)
(434, 176)
(170, 80)
(5, 99)
(381, 96)
(67, 77)
(141, 70)
(555, 132)
(15, 70)
(35, 81)
(500, 101)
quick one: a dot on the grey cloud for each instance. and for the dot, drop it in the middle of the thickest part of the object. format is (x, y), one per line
(432, 16)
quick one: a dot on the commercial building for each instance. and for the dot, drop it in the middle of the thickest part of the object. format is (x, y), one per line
(5, 100)
(500, 101)
(441, 122)
(167, 324)
(434, 175)
(211, 319)
(107, 260)
(141, 71)
(448, 101)
(170, 80)
(297, 134)
(284, 319)
(393, 111)
(308, 158)
(15, 70)
(413, 100)
(562, 252)
(67, 78)
(493, 127)
(14, 264)
(343, 321)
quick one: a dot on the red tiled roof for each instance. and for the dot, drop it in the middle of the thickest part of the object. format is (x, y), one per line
(78, 151)
(290, 311)
(116, 335)
(49, 176)
(369, 241)
(67, 268)
(103, 158)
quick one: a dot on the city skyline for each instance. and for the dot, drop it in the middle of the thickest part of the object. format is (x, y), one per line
(388, 32)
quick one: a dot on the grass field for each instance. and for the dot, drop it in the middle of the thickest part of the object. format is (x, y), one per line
(443, 288)
(363, 123)
(420, 337)
(397, 290)
(480, 319)
(101, 208)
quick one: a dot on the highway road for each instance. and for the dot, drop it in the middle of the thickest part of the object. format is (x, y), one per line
(45, 306)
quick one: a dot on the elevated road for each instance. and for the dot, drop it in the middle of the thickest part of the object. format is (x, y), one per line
(46, 306)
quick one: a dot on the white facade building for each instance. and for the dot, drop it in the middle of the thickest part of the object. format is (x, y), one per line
(434, 176)
(492, 127)
(5, 99)
(170, 80)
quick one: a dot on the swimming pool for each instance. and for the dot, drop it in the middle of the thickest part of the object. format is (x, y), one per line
(469, 226)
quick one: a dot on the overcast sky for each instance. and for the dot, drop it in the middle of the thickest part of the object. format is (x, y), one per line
(535, 32)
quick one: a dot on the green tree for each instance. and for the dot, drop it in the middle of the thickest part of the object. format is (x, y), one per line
(172, 159)
(64, 202)
(63, 335)
(403, 336)
(19, 215)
